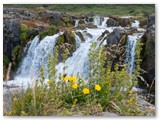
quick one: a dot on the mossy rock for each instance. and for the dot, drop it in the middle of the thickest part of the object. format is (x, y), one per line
(5, 60)
(16, 50)
(60, 40)
(17, 55)
(82, 26)
(66, 41)
(58, 23)
(50, 31)
(24, 27)
(23, 37)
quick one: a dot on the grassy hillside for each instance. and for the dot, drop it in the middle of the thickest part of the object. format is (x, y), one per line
(108, 9)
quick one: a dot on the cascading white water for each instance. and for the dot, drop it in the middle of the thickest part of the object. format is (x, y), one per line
(78, 62)
(78, 40)
(131, 55)
(130, 52)
(37, 57)
(24, 70)
(76, 23)
(97, 21)
(104, 23)
(100, 24)
(135, 24)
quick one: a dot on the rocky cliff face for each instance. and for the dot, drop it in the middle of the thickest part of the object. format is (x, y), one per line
(148, 52)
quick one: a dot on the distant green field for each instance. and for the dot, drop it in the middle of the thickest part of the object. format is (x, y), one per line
(107, 9)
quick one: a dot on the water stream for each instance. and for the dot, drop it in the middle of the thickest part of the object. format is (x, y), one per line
(37, 54)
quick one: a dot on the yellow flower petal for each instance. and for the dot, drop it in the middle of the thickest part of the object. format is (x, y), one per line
(130, 92)
(65, 78)
(98, 87)
(70, 78)
(130, 101)
(86, 91)
(74, 79)
(75, 86)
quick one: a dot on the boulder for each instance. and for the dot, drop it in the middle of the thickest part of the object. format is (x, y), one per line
(115, 36)
(111, 22)
(80, 35)
(66, 41)
(124, 22)
(91, 25)
(143, 23)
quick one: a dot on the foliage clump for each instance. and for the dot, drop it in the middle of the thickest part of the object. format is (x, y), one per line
(23, 35)
(50, 31)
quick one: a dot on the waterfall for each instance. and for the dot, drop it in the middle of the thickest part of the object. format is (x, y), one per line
(78, 63)
(97, 21)
(78, 40)
(104, 23)
(24, 69)
(37, 57)
(135, 24)
(100, 24)
(130, 52)
(76, 23)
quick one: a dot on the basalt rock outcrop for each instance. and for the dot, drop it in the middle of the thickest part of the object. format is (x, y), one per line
(148, 51)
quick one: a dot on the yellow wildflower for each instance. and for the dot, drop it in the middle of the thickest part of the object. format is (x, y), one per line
(65, 78)
(130, 101)
(74, 79)
(86, 91)
(75, 86)
(130, 92)
(70, 78)
(49, 82)
(97, 87)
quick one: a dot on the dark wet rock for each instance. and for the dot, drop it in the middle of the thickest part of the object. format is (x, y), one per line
(88, 34)
(148, 54)
(80, 35)
(81, 26)
(111, 22)
(11, 33)
(115, 36)
(124, 22)
(143, 23)
(81, 21)
(91, 25)
(105, 33)
(151, 20)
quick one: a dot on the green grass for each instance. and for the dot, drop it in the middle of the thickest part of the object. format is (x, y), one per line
(106, 9)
